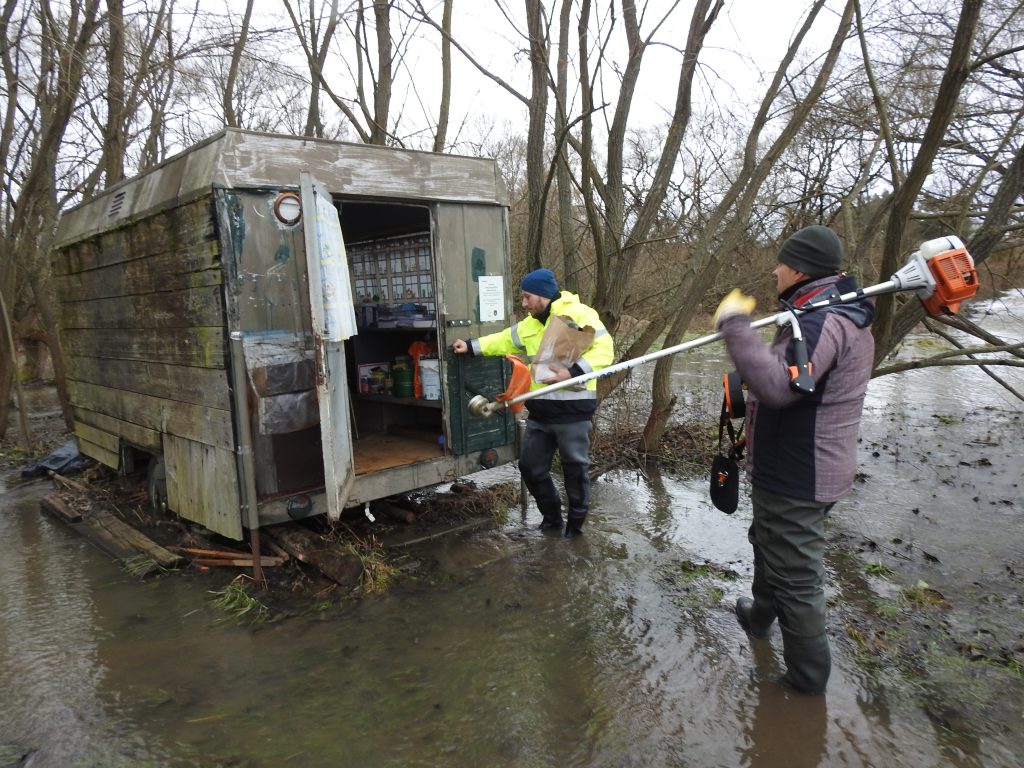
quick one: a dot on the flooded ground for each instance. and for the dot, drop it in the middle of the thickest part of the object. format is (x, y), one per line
(522, 649)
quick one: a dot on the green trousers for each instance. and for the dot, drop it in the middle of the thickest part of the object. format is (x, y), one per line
(788, 537)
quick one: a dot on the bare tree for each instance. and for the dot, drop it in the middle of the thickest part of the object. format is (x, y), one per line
(728, 221)
(905, 195)
(114, 141)
(368, 109)
(441, 134)
(230, 115)
(315, 44)
(63, 47)
(536, 163)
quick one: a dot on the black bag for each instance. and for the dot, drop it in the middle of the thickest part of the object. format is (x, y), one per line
(725, 483)
(725, 470)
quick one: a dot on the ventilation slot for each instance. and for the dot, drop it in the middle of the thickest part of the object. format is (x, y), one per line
(115, 204)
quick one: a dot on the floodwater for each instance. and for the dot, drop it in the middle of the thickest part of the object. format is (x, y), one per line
(533, 651)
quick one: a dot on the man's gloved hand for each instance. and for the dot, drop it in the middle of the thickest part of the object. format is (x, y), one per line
(735, 303)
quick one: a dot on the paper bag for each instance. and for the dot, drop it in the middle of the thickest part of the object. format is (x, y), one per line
(563, 344)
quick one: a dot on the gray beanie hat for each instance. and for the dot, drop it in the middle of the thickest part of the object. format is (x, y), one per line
(814, 250)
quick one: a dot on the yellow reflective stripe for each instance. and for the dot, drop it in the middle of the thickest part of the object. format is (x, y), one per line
(569, 394)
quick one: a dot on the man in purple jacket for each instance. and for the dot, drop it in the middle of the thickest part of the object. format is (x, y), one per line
(801, 445)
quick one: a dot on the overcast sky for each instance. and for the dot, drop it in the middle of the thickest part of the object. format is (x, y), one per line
(746, 41)
(749, 38)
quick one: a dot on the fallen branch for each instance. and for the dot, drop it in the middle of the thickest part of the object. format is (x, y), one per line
(274, 547)
(67, 482)
(394, 512)
(987, 337)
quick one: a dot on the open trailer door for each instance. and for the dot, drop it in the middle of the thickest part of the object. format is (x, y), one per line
(334, 320)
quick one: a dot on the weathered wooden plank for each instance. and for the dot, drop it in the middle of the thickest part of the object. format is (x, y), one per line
(97, 436)
(110, 458)
(304, 545)
(166, 309)
(207, 387)
(191, 267)
(169, 231)
(202, 485)
(141, 437)
(210, 426)
(55, 505)
(198, 347)
(128, 541)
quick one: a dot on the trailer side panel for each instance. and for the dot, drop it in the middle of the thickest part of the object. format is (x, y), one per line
(143, 332)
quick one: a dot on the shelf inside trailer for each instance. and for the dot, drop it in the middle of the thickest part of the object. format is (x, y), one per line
(419, 402)
(386, 450)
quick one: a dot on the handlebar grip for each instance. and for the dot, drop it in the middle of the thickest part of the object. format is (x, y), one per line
(800, 378)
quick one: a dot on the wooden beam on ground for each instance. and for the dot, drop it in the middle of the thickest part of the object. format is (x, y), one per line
(326, 556)
(393, 511)
(55, 505)
(123, 541)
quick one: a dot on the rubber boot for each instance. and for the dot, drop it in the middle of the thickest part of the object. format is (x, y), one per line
(574, 525)
(552, 512)
(808, 663)
(755, 622)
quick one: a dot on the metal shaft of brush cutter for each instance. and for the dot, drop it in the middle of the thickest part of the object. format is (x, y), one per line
(914, 276)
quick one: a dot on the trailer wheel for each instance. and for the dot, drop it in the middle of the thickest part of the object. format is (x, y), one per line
(156, 484)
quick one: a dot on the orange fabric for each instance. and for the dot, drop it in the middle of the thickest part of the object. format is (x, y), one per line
(518, 385)
(417, 350)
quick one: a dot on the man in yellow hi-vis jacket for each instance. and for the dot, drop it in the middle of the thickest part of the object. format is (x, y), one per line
(558, 420)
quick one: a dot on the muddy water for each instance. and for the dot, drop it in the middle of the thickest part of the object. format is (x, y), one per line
(603, 651)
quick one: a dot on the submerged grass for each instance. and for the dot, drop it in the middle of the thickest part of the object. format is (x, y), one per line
(699, 583)
(379, 571)
(142, 565)
(237, 604)
(879, 569)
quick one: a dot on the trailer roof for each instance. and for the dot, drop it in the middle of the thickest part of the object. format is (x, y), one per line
(237, 159)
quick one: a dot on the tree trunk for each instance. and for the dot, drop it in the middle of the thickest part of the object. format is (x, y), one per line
(441, 137)
(570, 263)
(230, 116)
(114, 141)
(382, 87)
(537, 133)
(953, 79)
(992, 230)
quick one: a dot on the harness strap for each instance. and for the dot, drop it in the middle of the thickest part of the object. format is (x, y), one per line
(733, 407)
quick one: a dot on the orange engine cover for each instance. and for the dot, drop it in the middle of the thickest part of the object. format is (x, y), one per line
(956, 280)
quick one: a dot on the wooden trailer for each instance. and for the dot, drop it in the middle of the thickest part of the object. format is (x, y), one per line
(245, 318)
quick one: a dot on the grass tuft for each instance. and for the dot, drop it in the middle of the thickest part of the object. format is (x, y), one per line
(238, 605)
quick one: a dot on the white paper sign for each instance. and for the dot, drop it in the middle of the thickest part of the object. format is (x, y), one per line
(492, 298)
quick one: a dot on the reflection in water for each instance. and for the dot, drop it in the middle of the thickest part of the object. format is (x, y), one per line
(785, 728)
(49, 665)
(598, 652)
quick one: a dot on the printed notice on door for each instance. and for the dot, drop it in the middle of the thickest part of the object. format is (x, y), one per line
(492, 298)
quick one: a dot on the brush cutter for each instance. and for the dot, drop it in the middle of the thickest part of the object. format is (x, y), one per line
(941, 271)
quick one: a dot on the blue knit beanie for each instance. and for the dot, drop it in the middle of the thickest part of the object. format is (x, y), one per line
(541, 282)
